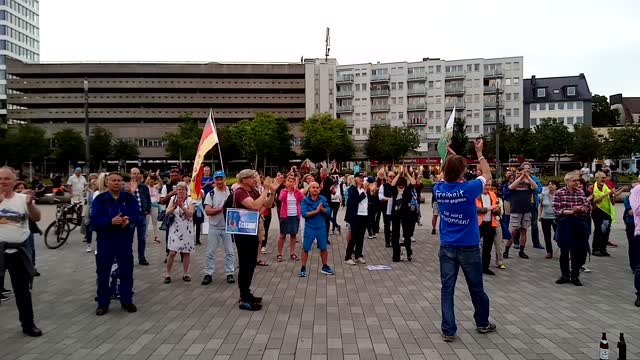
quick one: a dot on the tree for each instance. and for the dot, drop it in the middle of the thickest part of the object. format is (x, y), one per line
(586, 145)
(391, 143)
(522, 143)
(125, 150)
(101, 145)
(326, 138)
(622, 142)
(183, 144)
(264, 138)
(551, 137)
(226, 145)
(69, 146)
(602, 114)
(460, 140)
(27, 143)
(505, 142)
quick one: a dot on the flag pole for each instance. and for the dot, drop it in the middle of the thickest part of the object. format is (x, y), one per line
(216, 130)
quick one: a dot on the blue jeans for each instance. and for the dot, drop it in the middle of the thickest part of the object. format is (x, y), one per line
(216, 238)
(451, 260)
(141, 232)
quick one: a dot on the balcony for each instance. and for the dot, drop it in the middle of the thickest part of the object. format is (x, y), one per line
(493, 73)
(417, 107)
(379, 93)
(380, 122)
(491, 104)
(380, 107)
(454, 75)
(454, 90)
(344, 109)
(420, 76)
(417, 122)
(458, 105)
(491, 89)
(417, 92)
(347, 78)
(380, 78)
(344, 94)
(489, 120)
(349, 122)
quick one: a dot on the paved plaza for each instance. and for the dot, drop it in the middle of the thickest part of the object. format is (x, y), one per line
(357, 314)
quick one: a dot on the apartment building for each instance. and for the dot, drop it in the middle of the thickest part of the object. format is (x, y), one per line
(629, 108)
(566, 98)
(423, 94)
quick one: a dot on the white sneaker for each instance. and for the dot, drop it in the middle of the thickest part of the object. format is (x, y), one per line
(361, 260)
(370, 237)
(350, 262)
(88, 249)
(585, 269)
(413, 239)
(264, 250)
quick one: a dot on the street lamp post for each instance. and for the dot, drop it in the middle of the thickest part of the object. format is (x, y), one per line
(86, 126)
(498, 123)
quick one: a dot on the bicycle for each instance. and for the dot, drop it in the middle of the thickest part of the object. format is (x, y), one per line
(68, 217)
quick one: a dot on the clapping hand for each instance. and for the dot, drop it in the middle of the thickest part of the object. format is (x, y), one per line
(117, 220)
(125, 221)
(320, 208)
(30, 196)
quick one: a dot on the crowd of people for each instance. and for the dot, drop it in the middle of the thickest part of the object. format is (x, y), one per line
(478, 217)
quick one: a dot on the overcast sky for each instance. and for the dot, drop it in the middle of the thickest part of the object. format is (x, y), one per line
(559, 37)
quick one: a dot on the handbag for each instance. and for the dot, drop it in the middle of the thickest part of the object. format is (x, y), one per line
(166, 220)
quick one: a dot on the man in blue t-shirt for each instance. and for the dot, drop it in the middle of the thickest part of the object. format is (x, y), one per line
(460, 239)
(207, 180)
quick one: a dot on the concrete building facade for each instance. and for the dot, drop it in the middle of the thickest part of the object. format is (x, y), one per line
(566, 98)
(19, 39)
(423, 94)
(142, 102)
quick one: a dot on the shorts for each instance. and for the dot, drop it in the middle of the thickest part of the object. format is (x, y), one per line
(289, 225)
(434, 206)
(520, 221)
(314, 234)
(77, 199)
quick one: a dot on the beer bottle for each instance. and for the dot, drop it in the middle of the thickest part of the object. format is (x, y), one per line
(604, 347)
(622, 348)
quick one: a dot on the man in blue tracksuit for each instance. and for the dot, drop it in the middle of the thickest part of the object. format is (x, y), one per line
(114, 216)
(314, 209)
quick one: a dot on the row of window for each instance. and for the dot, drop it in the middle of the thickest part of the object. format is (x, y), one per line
(147, 142)
(569, 120)
(559, 105)
(19, 36)
(19, 22)
(21, 9)
(568, 91)
(19, 50)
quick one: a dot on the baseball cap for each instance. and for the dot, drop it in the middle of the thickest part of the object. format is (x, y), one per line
(218, 173)
(371, 180)
(78, 169)
(357, 174)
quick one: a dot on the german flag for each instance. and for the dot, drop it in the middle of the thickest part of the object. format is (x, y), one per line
(208, 140)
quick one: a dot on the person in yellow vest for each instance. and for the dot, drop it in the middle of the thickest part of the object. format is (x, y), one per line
(603, 213)
(488, 208)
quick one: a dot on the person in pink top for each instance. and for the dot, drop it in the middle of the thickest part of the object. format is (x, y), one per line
(290, 198)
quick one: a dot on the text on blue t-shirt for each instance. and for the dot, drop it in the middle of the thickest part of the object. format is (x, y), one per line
(458, 216)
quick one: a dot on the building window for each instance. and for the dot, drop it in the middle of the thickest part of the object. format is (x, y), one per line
(400, 115)
(507, 81)
(516, 112)
(469, 67)
(400, 100)
(579, 120)
(393, 86)
(469, 113)
(430, 84)
(438, 128)
(508, 96)
(571, 91)
(357, 87)
(569, 120)
(516, 96)
(534, 107)
(476, 113)
(400, 85)
(516, 65)
(508, 112)
(476, 67)
(430, 114)
(476, 128)
(476, 98)
(569, 106)
(438, 84)
(560, 106)
(430, 69)
(438, 114)
(561, 119)
(541, 92)
(438, 99)
(438, 69)
(552, 106)
(516, 126)
(393, 101)
(579, 105)
(364, 131)
(516, 81)
(534, 122)
(468, 129)
(543, 106)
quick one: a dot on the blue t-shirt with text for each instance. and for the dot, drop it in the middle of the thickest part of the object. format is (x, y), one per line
(458, 214)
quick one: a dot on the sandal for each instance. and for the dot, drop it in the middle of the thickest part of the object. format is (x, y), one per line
(156, 240)
(186, 278)
(167, 279)
(294, 257)
(262, 263)
(279, 258)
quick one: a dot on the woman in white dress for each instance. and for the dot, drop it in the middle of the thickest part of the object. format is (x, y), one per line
(182, 233)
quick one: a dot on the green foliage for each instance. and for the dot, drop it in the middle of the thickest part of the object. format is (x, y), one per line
(622, 142)
(551, 137)
(69, 146)
(505, 142)
(100, 145)
(326, 138)
(586, 145)
(228, 147)
(263, 138)
(389, 144)
(522, 143)
(25, 143)
(602, 114)
(183, 144)
(124, 150)
(460, 140)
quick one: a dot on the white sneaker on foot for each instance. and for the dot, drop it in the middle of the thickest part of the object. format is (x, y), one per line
(264, 250)
(350, 262)
(361, 260)
(88, 249)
